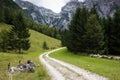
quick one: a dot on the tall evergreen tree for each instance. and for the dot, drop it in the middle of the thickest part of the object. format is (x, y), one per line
(107, 24)
(111, 32)
(115, 33)
(75, 38)
(19, 34)
(94, 35)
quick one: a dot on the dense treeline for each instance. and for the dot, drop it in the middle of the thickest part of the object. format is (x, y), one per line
(111, 27)
(49, 31)
(89, 33)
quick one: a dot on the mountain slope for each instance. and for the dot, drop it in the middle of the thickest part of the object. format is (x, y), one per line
(61, 20)
(37, 39)
(38, 14)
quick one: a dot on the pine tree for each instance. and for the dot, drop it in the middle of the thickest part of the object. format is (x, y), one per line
(94, 11)
(75, 37)
(94, 34)
(111, 32)
(115, 34)
(19, 34)
(45, 45)
(107, 24)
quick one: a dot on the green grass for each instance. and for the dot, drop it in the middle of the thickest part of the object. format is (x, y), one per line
(5, 58)
(4, 26)
(36, 40)
(104, 67)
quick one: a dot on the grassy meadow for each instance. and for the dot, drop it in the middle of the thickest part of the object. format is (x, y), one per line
(104, 67)
(36, 40)
(5, 58)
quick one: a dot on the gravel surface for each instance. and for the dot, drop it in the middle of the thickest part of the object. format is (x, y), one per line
(59, 70)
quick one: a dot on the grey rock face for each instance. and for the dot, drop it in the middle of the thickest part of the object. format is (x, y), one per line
(68, 11)
(61, 21)
(39, 14)
(104, 7)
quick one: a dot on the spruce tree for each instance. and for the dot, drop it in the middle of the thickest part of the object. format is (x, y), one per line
(107, 24)
(19, 34)
(115, 34)
(111, 32)
(45, 45)
(94, 11)
(75, 38)
(94, 35)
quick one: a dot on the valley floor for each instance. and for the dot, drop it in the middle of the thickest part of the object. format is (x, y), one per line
(59, 70)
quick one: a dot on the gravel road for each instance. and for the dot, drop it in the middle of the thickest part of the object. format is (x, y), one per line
(59, 70)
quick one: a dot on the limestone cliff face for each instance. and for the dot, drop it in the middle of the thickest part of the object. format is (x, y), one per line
(104, 7)
(61, 20)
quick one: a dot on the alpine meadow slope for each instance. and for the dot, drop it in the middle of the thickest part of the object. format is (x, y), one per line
(36, 40)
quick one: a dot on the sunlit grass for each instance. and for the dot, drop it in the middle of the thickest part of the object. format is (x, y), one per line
(5, 58)
(4, 26)
(36, 40)
(104, 67)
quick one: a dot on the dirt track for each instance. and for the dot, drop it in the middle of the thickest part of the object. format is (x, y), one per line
(59, 70)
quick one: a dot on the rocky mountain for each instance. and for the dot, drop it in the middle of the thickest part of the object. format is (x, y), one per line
(61, 20)
(67, 12)
(104, 7)
(39, 14)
